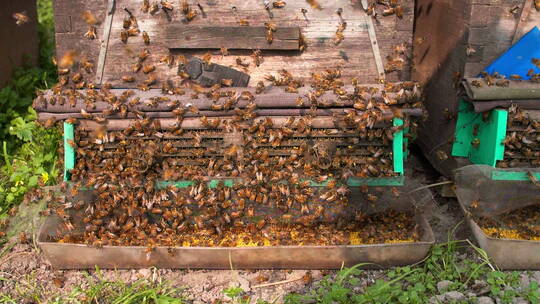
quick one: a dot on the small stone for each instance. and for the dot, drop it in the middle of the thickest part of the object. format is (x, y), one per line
(520, 301)
(198, 302)
(454, 296)
(443, 286)
(144, 273)
(524, 280)
(485, 300)
(244, 284)
(436, 299)
(536, 276)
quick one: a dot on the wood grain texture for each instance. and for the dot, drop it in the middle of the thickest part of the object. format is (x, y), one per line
(353, 55)
(181, 36)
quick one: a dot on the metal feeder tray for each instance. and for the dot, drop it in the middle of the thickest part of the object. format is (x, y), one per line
(80, 256)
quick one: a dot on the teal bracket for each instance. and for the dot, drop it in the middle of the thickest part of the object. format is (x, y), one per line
(398, 148)
(69, 151)
(513, 176)
(480, 141)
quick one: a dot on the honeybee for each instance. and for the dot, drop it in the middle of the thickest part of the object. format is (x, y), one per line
(537, 4)
(21, 18)
(270, 29)
(314, 4)
(145, 6)
(243, 22)
(128, 78)
(166, 5)
(227, 82)
(149, 68)
(91, 33)
(124, 35)
(278, 4)
(240, 62)
(257, 57)
(515, 77)
(260, 87)
(76, 78)
(339, 33)
(146, 38)
(89, 18)
(224, 51)
(87, 65)
(136, 67)
(536, 61)
(68, 59)
(476, 83)
(133, 32)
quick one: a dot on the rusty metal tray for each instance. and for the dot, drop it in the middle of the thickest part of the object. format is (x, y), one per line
(508, 253)
(78, 256)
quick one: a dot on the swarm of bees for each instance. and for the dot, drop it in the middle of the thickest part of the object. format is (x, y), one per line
(522, 143)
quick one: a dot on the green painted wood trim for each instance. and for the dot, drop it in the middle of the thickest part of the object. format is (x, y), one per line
(69, 151)
(466, 119)
(397, 146)
(477, 139)
(491, 134)
(513, 176)
(353, 182)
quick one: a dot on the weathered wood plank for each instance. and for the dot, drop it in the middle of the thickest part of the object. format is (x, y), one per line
(353, 55)
(181, 36)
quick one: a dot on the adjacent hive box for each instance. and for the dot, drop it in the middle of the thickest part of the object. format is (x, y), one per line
(455, 39)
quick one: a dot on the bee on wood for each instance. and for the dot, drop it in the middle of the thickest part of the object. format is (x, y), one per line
(145, 8)
(314, 4)
(133, 32)
(146, 38)
(502, 83)
(224, 51)
(240, 62)
(257, 57)
(243, 22)
(63, 71)
(302, 42)
(537, 4)
(339, 33)
(143, 55)
(476, 83)
(87, 65)
(207, 58)
(76, 78)
(260, 87)
(166, 5)
(278, 4)
(91, 33)
(227, 82)
(270, 29)
(136, 67)
(128, 78)
(154, 8)
(124, 35)
(21, 18)
(189, 13)
(149, 68)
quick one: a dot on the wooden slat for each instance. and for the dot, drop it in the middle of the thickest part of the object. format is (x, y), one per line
(180, 36)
